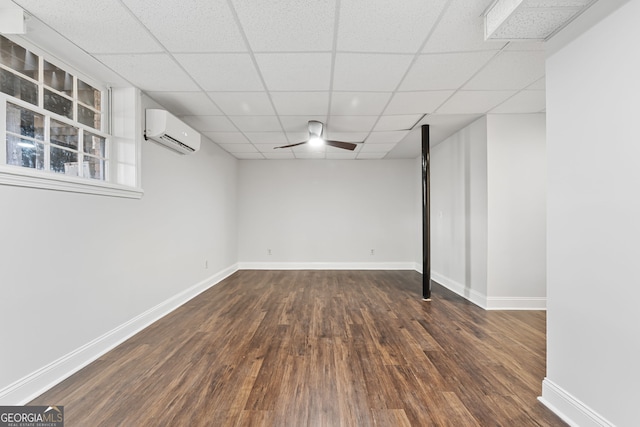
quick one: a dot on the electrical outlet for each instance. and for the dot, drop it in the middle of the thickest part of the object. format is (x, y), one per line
(206, 263)
(373, 251)
(268, 251)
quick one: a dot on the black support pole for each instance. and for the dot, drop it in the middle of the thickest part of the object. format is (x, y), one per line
(426, 217)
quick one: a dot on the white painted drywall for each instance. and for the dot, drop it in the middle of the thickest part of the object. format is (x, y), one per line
(459, 211)
(75, 266)
(516, 203)
(327, 211)
(593, 102)
(488, 212)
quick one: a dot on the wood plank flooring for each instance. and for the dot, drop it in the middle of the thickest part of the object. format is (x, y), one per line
(319, 348)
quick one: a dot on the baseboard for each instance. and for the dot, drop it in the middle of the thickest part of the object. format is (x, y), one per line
(36, 383)
(516, 303)
(326, 266)
(470, 294)
(417, 266)
(571, 410)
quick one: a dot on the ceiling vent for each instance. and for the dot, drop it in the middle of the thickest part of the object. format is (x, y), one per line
(530, 20)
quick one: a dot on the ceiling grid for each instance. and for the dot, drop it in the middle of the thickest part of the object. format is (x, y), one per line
(250, 75)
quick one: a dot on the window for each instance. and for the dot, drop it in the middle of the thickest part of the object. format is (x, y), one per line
(55, 125)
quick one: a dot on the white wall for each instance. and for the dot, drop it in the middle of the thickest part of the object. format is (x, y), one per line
(488, 212)
(76, 266)
(459, 211)
(327, 213)
(516, 264)
(593, 102)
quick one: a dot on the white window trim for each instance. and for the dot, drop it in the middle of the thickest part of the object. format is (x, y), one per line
(25, 177)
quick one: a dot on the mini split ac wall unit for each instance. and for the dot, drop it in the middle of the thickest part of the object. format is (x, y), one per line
(166, 129)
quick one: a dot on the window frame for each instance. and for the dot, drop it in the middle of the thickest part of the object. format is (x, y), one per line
(46, 179)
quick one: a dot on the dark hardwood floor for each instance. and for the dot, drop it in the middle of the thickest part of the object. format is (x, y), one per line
(319, 348)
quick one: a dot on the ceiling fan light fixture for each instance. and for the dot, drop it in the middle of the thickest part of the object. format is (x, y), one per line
(316, 141)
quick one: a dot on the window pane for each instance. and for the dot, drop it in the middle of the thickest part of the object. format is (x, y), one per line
(89, 95)
(94, 144)
(64, 135)
(94, 168)
(58, 79)
(24, 122)
(25, 153)
(18, 87)
(18, 58)
(88, 117)
(58, 104)
(64, 161)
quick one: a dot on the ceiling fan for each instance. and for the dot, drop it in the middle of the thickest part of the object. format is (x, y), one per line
(315, 138)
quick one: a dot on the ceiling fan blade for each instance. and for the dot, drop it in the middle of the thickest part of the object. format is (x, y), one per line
(292, 145)
(340, 144)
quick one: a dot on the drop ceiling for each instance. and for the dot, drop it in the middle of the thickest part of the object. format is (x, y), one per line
(250, 74)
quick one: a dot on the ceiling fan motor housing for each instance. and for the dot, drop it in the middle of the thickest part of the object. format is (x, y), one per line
(315, 128)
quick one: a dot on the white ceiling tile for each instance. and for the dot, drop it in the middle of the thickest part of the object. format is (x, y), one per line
(527, 101)
(299, 123)
(275, 138)
(203, 26)
(525, 45)
(227, 137)
(371, 156)
(384, 26)
(397, 122)
(538, 85)
(270, 148)
(359, 103)
(295, 71)
(344, 155)
(309, 152)
(301, 103)
(280, 155)
(370, 47)
(282, 26)
(142, 71)
(369, 72)
(376, 148)
(461, 29)
(336, 150)
(352, 123)
(444, 71)
(257, 123)
(210, 123)
(243, 103)
(417, 102)
(186, 103)
(509, 70)
(346, 136)
(295, 137)
(222, 71)
(474, 102)
(307, 148)
(441, 127)
(308, 155)
(248, 156)
(97, 26)
(392, 137)
(239, 148)
(448, 121)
